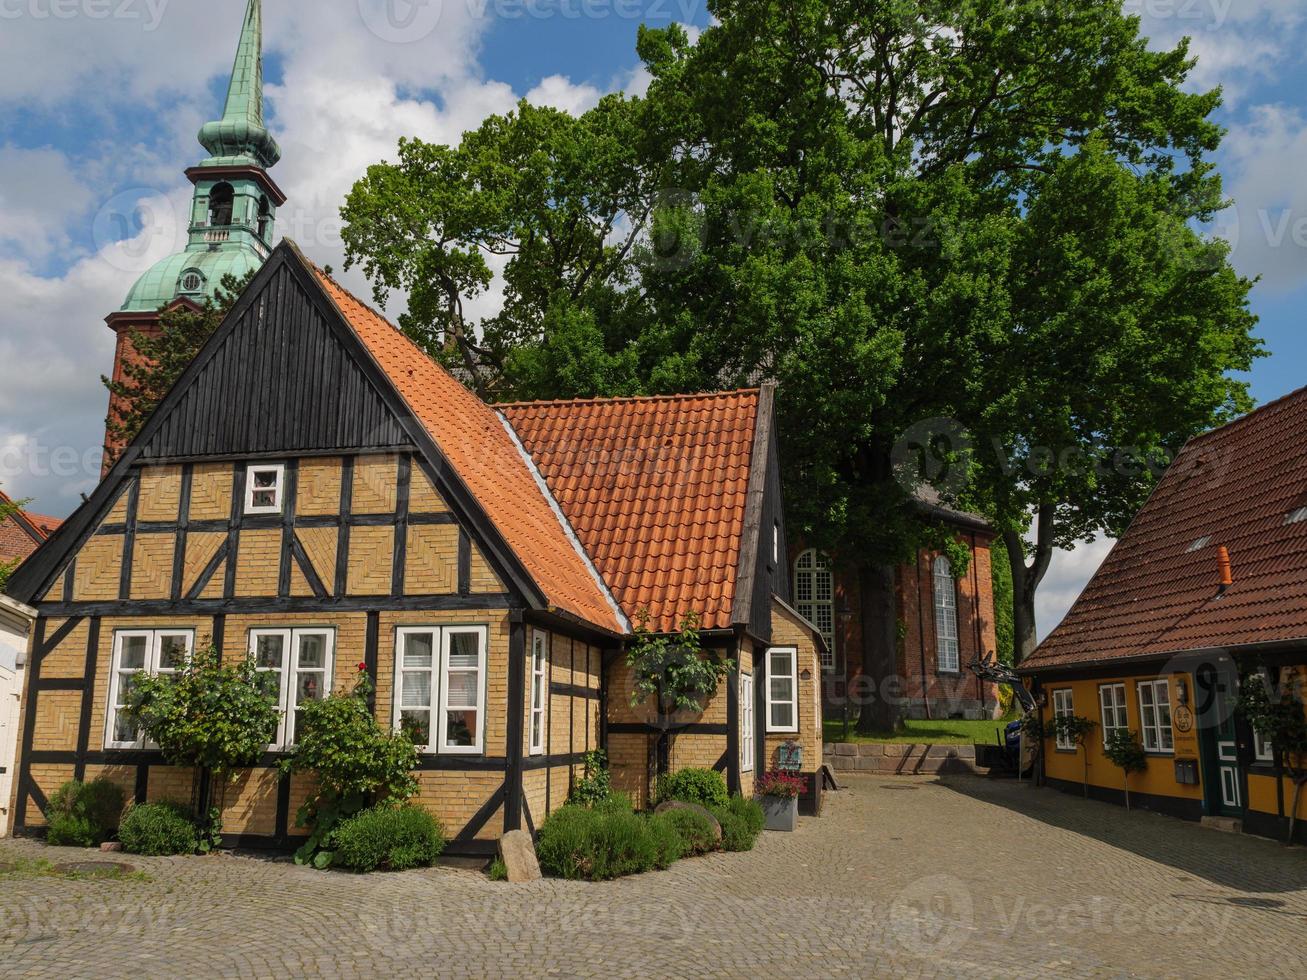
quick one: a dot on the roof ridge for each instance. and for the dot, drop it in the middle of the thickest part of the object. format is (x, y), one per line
(597, 400)
(1253, 414)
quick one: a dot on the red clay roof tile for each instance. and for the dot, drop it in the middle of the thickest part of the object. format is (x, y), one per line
(1157, 593)
(655, 489)
(474, 440)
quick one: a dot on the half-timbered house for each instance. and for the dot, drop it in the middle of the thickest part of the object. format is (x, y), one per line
(315, 493)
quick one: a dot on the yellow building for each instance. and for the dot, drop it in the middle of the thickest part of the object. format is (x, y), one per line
(1207, 589)
(318, 495)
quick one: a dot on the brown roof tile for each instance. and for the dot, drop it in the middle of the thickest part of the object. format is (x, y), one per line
(474, 440)
(1157, 592)
(21, 534)
(655, 489)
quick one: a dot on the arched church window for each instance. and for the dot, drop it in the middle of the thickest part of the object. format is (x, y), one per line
(192, 281)
(221, 199)
(946, 616)
(814, 595)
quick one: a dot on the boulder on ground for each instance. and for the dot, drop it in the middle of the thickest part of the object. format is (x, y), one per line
(518, 852)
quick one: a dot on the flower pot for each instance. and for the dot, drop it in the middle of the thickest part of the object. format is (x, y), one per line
(780, 813)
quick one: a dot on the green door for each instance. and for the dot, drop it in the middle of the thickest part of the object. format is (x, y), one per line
(1218, 693)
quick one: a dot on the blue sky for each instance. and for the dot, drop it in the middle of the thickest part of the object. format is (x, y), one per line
(100, 101)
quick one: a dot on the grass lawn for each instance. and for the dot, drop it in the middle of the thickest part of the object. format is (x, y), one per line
(943, 732)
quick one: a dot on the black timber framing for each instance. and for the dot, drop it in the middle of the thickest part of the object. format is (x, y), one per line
(290, 499)
(274, 604)
(88, 697)
(26, 787)
(179, 545)
(399, 549)
(234, 530)
(342, 537)
(285, 283)
(129, 540)
(517, 653)
(371, 655)
(733, 722)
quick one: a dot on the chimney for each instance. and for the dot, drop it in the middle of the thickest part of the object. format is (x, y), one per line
(1223, 564)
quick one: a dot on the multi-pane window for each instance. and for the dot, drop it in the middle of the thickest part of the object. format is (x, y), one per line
(138, 652)
(1111, 703)
(946, 616)
(440, 680)
(263, 488)
(782, 689)
(747, 743)
(1063, 708)
(1262, 748)
(814, 594)
(1155, 715)
(297, 663)
(539, 690)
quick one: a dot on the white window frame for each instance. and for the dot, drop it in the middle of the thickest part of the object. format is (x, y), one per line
(1263, 750)
(812, 569)
(1159, 695)
(153, 649)
(1116, 715)
(402, 633)
(748, 745)
(945, 595)
(278, 489)
(538, 717)
(1064, 707)
(290, 670)
(793, 700)
(482, 634)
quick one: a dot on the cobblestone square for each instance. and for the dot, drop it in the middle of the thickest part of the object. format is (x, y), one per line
(956, 876)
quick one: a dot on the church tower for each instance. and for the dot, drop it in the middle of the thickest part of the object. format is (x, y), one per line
(233, 210)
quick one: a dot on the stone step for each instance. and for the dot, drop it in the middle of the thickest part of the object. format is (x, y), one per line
(906, 759)
(1229, 825)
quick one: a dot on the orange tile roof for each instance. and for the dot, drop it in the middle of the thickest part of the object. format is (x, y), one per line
(21, 534)
(1156, 594)
(655, 489)
(473, 438)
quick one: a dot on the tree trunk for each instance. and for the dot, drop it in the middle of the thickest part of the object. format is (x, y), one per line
(1125, 781)
(880, 710)
(1298, 783)
(1026, 579)
(1084, 749)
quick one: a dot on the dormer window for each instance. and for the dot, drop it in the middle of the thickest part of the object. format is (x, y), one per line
(192, 281)
(263, 488)
(221, 200)
(1296, 516)
(1200, 544)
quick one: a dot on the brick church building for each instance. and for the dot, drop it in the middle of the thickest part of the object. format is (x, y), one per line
(944, 623)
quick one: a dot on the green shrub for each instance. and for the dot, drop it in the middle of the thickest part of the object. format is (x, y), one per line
(599, 844)
(393, 838)
(742, 821)
(594, 786)
(84, 814)
(498, 870)
(694, 828)
(615, 803)
(159, 829)
(705, 787)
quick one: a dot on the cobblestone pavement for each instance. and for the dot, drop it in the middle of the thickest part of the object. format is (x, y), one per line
(958, 876)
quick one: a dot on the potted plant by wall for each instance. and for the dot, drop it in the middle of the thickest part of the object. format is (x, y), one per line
(779, 794)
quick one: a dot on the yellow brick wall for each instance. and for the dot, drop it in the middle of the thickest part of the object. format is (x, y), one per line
(160, 493)
(375, 482)
(258, 563)
(423, 498)
(431, 560)
(371, 560)
(318, 487)
(788, 631)
(152, 560)
(211, 486)
(99, 569)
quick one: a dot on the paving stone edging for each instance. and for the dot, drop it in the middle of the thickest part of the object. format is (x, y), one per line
(901, 759)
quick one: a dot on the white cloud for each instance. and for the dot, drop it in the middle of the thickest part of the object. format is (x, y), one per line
(39, 193)
(1268, 223)
(559, 92)
(1068, 574)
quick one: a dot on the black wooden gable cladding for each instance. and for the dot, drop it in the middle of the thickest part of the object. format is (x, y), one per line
(279, 382)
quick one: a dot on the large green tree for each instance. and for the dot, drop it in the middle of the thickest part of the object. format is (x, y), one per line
(939, 226)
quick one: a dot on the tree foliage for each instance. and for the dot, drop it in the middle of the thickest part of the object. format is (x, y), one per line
(1278, 713)
(163, 355)
(7, 510)
(959, 236)
(673, 671)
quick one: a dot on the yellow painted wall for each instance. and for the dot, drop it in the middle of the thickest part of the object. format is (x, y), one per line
(1159, 780)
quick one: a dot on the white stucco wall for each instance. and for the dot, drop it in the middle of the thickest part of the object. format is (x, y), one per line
(13, 644)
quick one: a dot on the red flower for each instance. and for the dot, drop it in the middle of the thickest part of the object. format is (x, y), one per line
(363, 668)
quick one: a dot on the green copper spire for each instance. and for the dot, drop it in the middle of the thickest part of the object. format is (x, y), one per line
(234, 210)
(239, 138)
